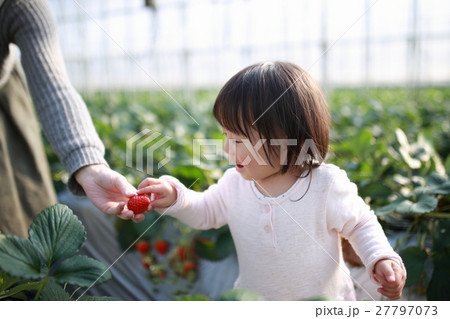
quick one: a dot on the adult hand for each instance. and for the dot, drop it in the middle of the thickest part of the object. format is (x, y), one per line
(107, 190)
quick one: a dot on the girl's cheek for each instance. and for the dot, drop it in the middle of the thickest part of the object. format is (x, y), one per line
(226, 147)
(230, 149)
(243, 155)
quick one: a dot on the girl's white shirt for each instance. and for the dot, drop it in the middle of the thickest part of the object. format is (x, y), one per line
(290, 249)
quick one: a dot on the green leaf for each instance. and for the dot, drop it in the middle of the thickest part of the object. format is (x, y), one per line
(57, 233)
(436, 184)
(151, 225)
(375, 190)
(205, 248)
(27, 286)
(7, 281)
(425, 204)
(213, 232)
(447, 164)
(436, 179)
(240, 295)
(440, 234)
(81, 271)
(439, 288)
(359, 144)
(224, 245)
(196, 297)
(128, 231)
(98, 298)
(389, 208)
(19, 258)
(443, 189)
(414, 259)
(54, 292)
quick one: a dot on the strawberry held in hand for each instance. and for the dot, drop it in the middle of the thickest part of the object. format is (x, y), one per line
(138, 203)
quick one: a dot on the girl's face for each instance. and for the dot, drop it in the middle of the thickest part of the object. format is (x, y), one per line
(249, 157)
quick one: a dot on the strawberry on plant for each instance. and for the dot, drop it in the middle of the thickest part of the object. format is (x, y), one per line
(182, 253)
(161, 246)
(189, 265)
(142, 246)
(158, 271)
(146, 262)
(138, 203)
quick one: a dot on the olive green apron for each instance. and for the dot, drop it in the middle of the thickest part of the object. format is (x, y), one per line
(26, 186)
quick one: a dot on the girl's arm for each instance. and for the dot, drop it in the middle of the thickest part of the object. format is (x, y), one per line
(199, 210)
(352, 218)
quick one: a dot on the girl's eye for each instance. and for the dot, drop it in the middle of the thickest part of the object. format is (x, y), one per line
(235, 141)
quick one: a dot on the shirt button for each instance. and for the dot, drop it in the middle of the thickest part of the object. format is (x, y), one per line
(267, 208)
(267, 228)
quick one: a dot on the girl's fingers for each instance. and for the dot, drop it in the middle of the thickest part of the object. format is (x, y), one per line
(160, 203)
(138, 218)
(126, 214)
(390, 294)
(148, 181)
(157, 188)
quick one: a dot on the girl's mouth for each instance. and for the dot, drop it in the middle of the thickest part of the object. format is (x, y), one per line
(239, 166)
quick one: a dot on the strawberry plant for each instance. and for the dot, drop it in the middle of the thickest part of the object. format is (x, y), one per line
(420, 200)
(39, 267)
(146, 261)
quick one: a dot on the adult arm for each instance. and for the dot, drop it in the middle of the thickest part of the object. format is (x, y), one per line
(65, 119)
(63, 114)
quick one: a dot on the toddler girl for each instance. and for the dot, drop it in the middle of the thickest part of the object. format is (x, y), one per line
(285, 208)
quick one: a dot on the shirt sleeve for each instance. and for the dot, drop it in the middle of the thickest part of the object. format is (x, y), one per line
(63, 114)
(353, 219)
(200, 210)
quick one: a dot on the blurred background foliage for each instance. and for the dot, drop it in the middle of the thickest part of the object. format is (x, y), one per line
(393, 143)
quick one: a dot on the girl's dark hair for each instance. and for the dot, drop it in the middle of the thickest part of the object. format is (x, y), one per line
(279, 100)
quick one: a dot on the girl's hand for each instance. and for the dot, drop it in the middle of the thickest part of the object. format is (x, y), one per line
(163, 194)
(391, 277)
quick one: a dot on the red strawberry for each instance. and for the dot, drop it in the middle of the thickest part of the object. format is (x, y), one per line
(189, 265)
(138, 203)
(182, 253)
(161, 246)
(142, 246)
